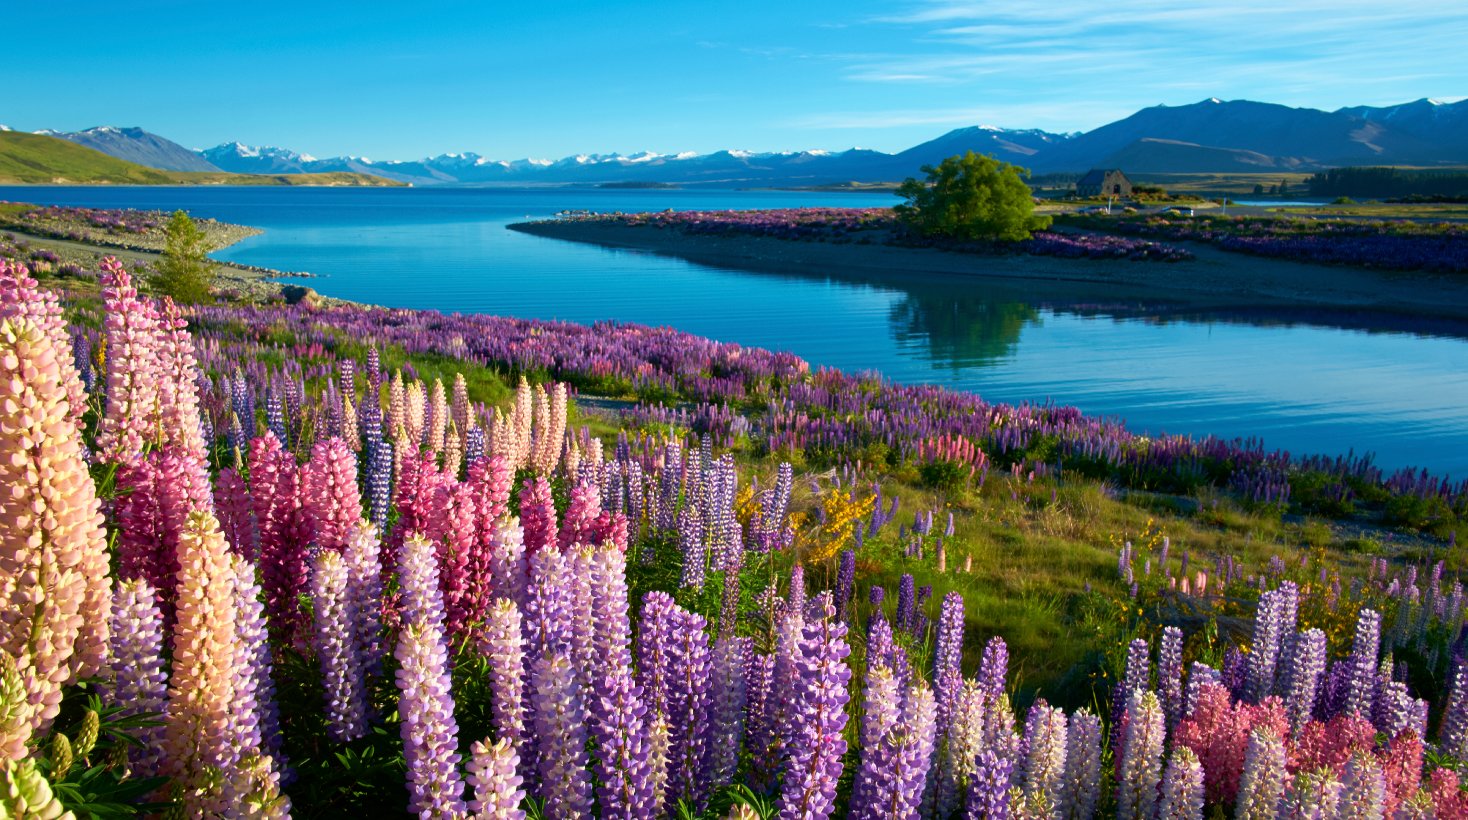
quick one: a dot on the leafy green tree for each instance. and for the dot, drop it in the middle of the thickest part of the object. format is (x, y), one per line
(971, 197)
(184, 271)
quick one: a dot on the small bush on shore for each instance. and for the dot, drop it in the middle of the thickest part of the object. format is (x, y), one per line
(971, 197)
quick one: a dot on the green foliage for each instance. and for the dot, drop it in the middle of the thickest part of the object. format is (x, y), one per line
(184, 271)
(948, 476)
(971, 197)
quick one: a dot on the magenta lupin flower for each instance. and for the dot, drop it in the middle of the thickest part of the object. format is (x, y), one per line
(537, 515)
(819, 717)
(236, 513)
(334, 640)
(274, 489)
(581, 515)
(457, 555)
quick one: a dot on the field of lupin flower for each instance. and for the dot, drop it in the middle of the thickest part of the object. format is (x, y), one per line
(264, 560)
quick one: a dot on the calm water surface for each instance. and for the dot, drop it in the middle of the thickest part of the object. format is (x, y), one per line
(1316, 384)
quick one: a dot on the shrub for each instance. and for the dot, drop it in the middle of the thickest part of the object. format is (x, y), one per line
(184, 271)
(971, 197)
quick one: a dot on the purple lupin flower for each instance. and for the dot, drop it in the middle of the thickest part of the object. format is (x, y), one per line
(255, 696)
(619, 731)
(503, 646)
(429, 732)
(730, 660)
(845, 582)
(1361, 692)
(988, 791)
(947, 657)
(1082, 784)
(1263, 782)
(906, 615)
(1302, 677)
(333, 639)
(1455, 715)
(1199, 674)
(688, 698)
(994, 667)
(1182, 787)
(691, 542)
(1138, 675)
(897, 748)
(818, 717)
(494, 776)
(1170, 675)
(560, 730)
(379, 481)
(422, 599)
(139, 682)
(761, 720)
(795, 601)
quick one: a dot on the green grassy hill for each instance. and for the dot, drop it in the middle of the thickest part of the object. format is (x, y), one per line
(38, 159)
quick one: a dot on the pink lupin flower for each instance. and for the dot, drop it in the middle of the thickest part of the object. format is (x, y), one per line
(330, 495)
(22, 296)
(178, 392)
(55, 595)
(581, 514)
(134, 368)
(274, 489)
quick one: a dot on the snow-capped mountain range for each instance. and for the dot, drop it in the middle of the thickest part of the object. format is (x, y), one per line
(1208, 136)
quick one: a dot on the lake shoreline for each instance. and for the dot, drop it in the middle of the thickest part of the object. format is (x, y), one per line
(1214, 279)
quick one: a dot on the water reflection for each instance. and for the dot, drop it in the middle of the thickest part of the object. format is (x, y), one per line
(960, 332)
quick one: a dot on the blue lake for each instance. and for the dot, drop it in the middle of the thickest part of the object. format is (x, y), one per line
(1308, 384)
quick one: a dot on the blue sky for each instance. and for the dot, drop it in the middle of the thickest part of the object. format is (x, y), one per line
(510, 80)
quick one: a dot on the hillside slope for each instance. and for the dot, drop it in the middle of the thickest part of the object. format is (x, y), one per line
(39, 159)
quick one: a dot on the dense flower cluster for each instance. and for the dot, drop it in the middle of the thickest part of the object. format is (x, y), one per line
(881, 226)
(1390, 245)
(585, 707)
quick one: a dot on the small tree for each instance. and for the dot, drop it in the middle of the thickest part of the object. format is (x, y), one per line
(184, 272)
(971, 197)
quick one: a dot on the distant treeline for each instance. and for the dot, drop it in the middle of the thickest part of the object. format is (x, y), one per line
(1379, 183)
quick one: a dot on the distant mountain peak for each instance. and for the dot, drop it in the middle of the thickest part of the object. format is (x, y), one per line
(136, 145)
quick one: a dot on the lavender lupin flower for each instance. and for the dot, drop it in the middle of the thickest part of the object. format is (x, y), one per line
(429, 732)
(1045, 742)
(1263, 783)
(1363, 789)
(611, 623)
(493, 773)
(503, 645)
(819, 717)
(1302, 678)
(1082, 767)
(619, 731)
(1312, 796)
(1182, 787)
(1138, 675)
(1264, 652)
(363, 559)
(1361, 694)
(881, 714)
(255, 697)
(1141, 766)
(140, 682)
(341, 665)
(560, 729)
